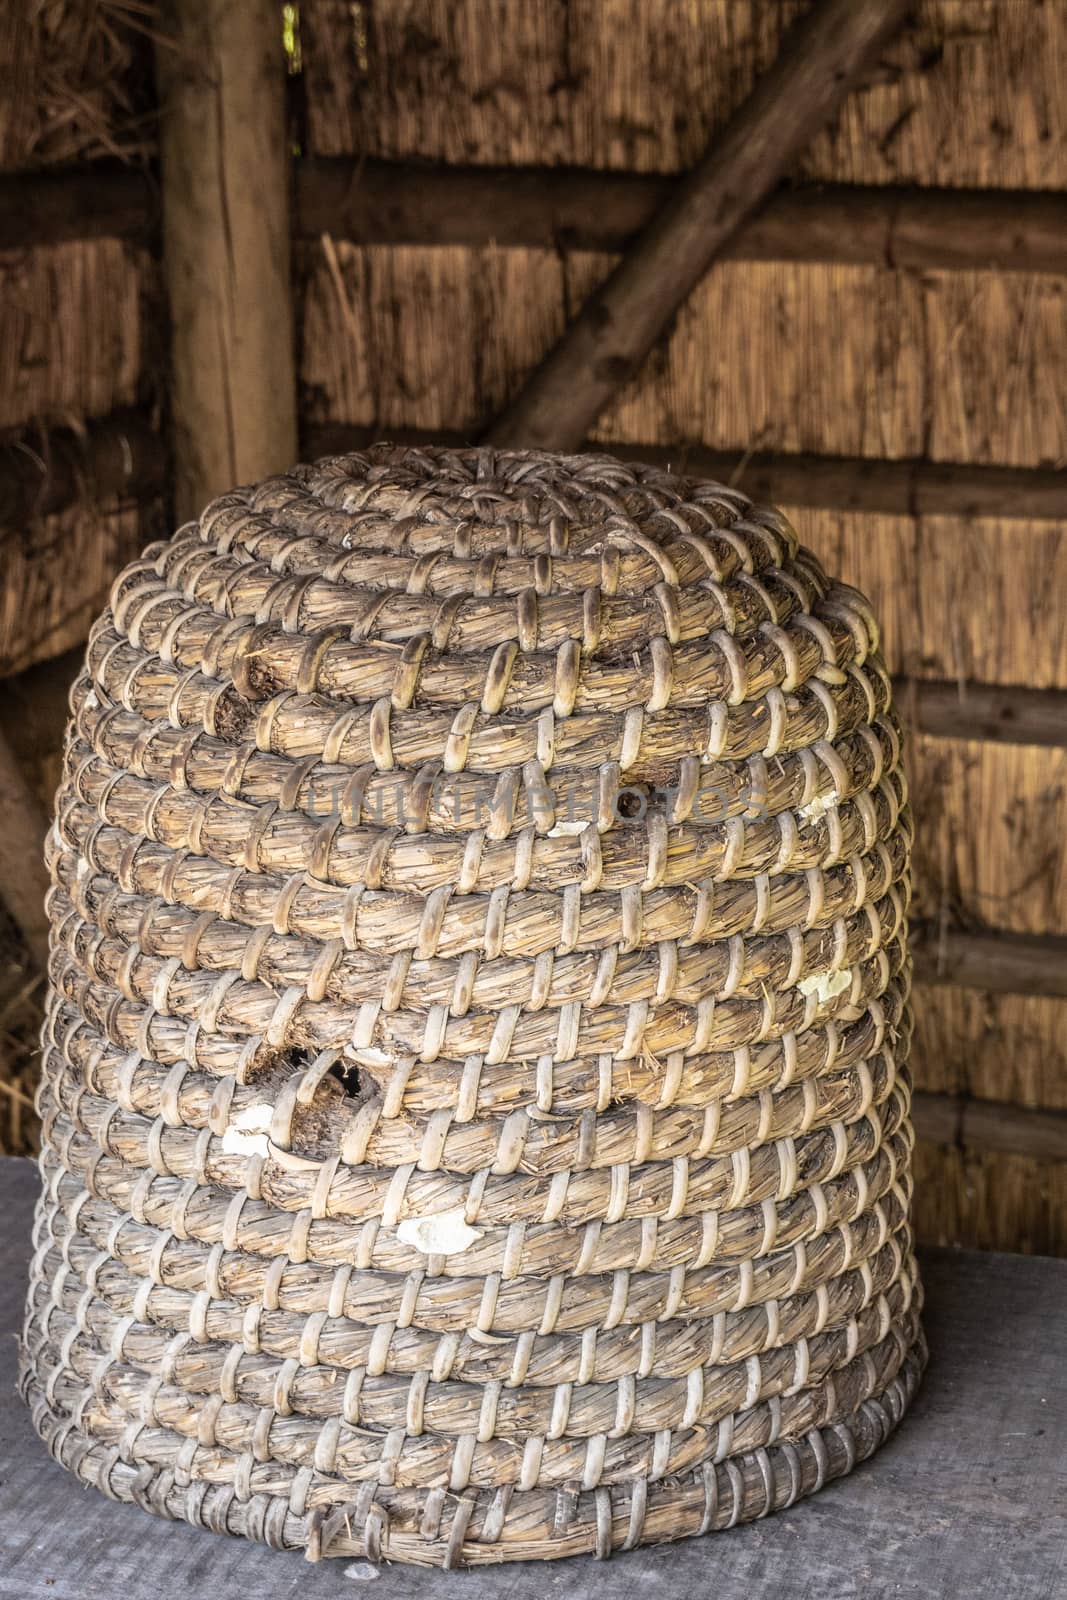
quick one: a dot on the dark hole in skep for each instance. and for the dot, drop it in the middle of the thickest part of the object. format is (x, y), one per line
(350, 1078)
(632, 802)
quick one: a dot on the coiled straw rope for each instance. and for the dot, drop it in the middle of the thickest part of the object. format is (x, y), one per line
(475, 1111)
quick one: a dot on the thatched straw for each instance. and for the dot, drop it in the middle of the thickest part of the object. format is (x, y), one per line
(77, 89)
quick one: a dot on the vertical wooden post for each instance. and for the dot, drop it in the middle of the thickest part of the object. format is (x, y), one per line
(225, 167)
(23, 879)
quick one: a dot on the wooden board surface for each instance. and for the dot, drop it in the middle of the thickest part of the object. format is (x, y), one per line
(969, 1498)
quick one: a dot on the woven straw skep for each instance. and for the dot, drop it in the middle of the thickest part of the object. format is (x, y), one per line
(475, 1103)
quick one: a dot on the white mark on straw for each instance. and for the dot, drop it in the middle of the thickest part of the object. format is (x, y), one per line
(824, 985)
(246, 1134)
(371, 1056)
(445, 1234)
(818, 807)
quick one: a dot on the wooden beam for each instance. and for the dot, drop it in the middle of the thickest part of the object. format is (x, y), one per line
(611, 336)
(122, 456)
(1000, 963)
(98, 200)
(109, 459)
(373, 202)
(225, 174)
(410, 203)
(23, 879)
(905, 488)
(990, 1125)
(989, 712)
(569, 208)
(101, 201)
(948, 229)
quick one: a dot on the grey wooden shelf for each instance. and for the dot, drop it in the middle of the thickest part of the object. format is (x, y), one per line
(968, 1500)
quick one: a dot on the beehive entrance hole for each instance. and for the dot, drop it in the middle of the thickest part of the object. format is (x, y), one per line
(632, 802)
(356, 1082)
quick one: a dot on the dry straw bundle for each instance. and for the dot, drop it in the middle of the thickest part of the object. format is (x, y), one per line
(475, 1113)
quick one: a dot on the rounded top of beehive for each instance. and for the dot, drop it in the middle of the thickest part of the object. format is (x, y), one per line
(501, 583)
(595, 518)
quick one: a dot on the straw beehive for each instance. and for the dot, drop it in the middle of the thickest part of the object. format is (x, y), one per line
(475, 1112)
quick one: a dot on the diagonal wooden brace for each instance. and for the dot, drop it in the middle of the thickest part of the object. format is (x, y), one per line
(616, 328)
